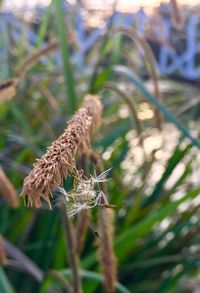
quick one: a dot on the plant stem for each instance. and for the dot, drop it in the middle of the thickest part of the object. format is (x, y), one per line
(133, 112)
(73, 257)
(134, 116)
(107, 256)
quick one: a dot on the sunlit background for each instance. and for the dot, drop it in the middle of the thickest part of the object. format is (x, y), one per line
(124, 5)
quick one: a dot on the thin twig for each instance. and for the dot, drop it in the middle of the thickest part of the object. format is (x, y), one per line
(139, 40)
(133, 112)
(8, 190)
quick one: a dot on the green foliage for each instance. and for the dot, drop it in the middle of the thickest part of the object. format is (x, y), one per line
(157, 223)
(70, 85)
(5, 285)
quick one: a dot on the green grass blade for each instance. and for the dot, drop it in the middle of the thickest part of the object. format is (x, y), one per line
(5, 286)
(95, 276)
(106, 46)
(172, 163)
(62, 35)
(183, 177)
(171, 283)
(43, 27)
(20, 117)
(127, 240)
(151, 98)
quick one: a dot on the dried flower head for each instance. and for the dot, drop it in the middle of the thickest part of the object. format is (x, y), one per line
(3, 258)
(59, 160)
(86, 195)
(106, 252)
(176, 15)
(7, 190)
(8, 89)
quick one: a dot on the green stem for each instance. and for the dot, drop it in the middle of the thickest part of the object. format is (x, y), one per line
(133, 112)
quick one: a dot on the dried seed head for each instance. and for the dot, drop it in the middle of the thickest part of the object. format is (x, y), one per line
(3, 258)
(8, 89)
(59, 160)
(106, 253)
(85, 195)
(7, 190)
(33, 58)
(176, 15)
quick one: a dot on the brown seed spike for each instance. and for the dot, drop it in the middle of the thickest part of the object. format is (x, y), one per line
(59, 160)
(3, 258)
(7, 190)
(8, 89)
(106, 252)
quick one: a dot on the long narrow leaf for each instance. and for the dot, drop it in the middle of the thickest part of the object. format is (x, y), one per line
(168, 116)
(71, 96)
(95, 276)
(43, 27)
(5, 286)
(127, 240)
(172, 163)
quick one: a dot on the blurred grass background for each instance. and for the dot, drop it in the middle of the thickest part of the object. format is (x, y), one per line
(155, 157)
